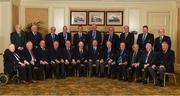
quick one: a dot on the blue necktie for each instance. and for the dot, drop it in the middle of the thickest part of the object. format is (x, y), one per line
(94, 35)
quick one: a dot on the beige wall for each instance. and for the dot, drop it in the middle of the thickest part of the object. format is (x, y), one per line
(15, 16)
(37, 14)
(6, 27)
(178, 38)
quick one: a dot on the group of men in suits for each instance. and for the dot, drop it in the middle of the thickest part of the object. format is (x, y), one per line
(115, 57)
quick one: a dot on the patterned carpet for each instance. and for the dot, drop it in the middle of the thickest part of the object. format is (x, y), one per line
(88, 86)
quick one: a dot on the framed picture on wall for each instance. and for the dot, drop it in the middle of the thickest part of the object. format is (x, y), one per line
(78, 18)
(96, 17)
(114, 18)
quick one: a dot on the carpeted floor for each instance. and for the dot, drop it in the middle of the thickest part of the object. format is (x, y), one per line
(89, 86)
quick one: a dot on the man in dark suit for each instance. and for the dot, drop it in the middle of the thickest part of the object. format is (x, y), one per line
(94, 34)
(34, 36)
(80, 36)
(122, 60)
(18, 38)
(135, 64)
(144, 38)
(50, 38)
(111, 37)
(13, 61)
(162, 38)
(81, 59)
(165, 63)
(94, 57)
(127, 37)
(147, 61)
(108, 61)
(69, 59)
(64, 36)
(29, 56)
(43, 58)
(57, 63)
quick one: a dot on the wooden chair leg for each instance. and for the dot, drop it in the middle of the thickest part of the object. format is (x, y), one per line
(175, 79)
(164, 80)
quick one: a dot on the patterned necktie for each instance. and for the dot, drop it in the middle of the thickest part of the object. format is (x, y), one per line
(147, 57)
(65, 36)
(134, 56)
(16, 56)
(144, 38)
(94, 35)
(160, 39)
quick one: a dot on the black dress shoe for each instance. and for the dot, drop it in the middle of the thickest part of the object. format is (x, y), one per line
(139, 80)
(144, 81)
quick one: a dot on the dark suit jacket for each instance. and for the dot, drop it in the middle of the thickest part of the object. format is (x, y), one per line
(157, 43)
(34, 39)
(151, 59)
(27, 55)
(112, 54)
(125, 56)
(167, 59)
(65, 54)
(18, 41)
(81, 57)
(10, 61)
(90, 38)
(61, 39)
(77, 39)
(94, 55)
(149, 39)
(42, 55)
(55, 54)
(129, 40)
(49, 40)
(115, 40)
(137, 57)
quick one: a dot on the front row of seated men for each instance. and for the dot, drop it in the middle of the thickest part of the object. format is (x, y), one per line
(41, 63)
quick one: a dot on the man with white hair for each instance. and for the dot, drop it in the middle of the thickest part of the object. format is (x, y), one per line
(51, 37)
(161, 38)
(18, 38)
(12, 61)
(34, 36)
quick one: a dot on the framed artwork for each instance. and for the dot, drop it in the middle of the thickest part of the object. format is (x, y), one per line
(78, 18)
(96, 17)
(114, 18)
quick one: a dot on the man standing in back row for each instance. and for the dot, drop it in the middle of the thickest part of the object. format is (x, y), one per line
(145, 38)
(94, 34)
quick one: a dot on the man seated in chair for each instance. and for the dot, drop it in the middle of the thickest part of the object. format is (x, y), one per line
(69, 59)
(57, 63)
(43, 58)
(135, 64)
(107, 61)
(13, 62)
(94, 58)
(29, 55)
(81, 59)
(165, 62)
(122, 59)
(147, 61)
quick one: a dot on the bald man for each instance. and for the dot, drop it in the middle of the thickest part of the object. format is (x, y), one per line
(18, 38)
(51, 37)
(34, 36)
(161, 38)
